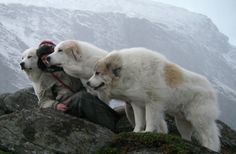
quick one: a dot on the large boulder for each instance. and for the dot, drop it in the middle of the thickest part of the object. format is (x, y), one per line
(26, 129)
(48, 131)
(22, 99)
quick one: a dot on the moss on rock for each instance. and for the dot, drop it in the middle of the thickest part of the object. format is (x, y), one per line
(154, 142)
(3, 152)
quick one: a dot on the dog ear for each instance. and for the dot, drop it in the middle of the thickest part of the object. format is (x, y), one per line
(75, 52)
(74, 55)
(114, 69)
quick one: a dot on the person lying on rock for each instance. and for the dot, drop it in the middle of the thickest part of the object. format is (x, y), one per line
(65, 93)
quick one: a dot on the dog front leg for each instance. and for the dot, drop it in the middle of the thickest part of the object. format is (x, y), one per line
(139, 117)
(155, 121)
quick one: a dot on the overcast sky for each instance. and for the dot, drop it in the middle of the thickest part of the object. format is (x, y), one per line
(221, 12)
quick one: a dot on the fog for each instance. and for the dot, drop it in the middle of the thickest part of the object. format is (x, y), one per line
(221, 12)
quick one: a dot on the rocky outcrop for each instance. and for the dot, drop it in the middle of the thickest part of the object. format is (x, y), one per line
(22, 99)
(24, 128)
(151, 143)
(228, 139)
(49, 131)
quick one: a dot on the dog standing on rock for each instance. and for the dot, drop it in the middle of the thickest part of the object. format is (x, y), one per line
(78, 58)
(154, 85)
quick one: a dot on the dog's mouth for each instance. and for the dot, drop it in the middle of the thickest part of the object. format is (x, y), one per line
(22, 68)
(49, 63)
(26, 69)
(99, 86)
(56, 64)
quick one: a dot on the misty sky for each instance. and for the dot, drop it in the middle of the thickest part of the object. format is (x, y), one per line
(221, 12)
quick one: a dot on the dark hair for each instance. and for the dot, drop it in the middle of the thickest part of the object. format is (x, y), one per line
(45, 49)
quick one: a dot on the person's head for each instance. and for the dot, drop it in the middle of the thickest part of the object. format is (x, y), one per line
(45, 48)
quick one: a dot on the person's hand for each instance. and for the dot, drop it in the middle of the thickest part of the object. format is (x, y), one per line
(61, 107)
(67, 101)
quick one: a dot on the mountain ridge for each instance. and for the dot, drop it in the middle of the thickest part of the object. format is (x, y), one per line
(202, 52)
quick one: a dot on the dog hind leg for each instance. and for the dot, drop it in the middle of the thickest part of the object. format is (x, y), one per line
(155, 121)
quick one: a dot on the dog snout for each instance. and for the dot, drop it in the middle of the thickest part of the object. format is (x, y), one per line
(22, 65)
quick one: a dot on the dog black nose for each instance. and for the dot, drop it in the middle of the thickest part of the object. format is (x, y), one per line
(48, 59)
(22, 65)
(88, 83)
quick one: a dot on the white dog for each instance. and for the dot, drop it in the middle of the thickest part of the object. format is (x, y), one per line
(154, 85)
(42, 81)
(78, 59)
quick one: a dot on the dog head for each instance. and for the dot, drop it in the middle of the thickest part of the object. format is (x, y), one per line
(29, 60)
(64, 53)
(107, 73)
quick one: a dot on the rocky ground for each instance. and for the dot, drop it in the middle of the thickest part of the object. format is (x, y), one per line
(26, 129)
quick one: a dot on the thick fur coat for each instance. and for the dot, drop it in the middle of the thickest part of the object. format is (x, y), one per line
(155, 86)
(43, 82)
(78, 59)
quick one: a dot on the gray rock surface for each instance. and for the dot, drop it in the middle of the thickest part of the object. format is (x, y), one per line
(26, 129)
(48, 131)
(22, 99)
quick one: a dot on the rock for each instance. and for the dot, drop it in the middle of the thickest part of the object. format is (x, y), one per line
(22, 99)
(150, 143)
(49, 131)
(26, 129)
(228, 136)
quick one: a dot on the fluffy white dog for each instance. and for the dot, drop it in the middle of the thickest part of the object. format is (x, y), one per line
(40, 80)
(78, 59)
(43, 82)
(154, 85)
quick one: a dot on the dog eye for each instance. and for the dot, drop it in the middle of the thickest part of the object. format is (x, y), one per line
(97, 73)
(59, 50)
(29, 57)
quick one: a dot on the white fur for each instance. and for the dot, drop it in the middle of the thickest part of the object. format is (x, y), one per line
(86, 58)
(81, 63)
(142, 82)
(34, 74)
(43, 81)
